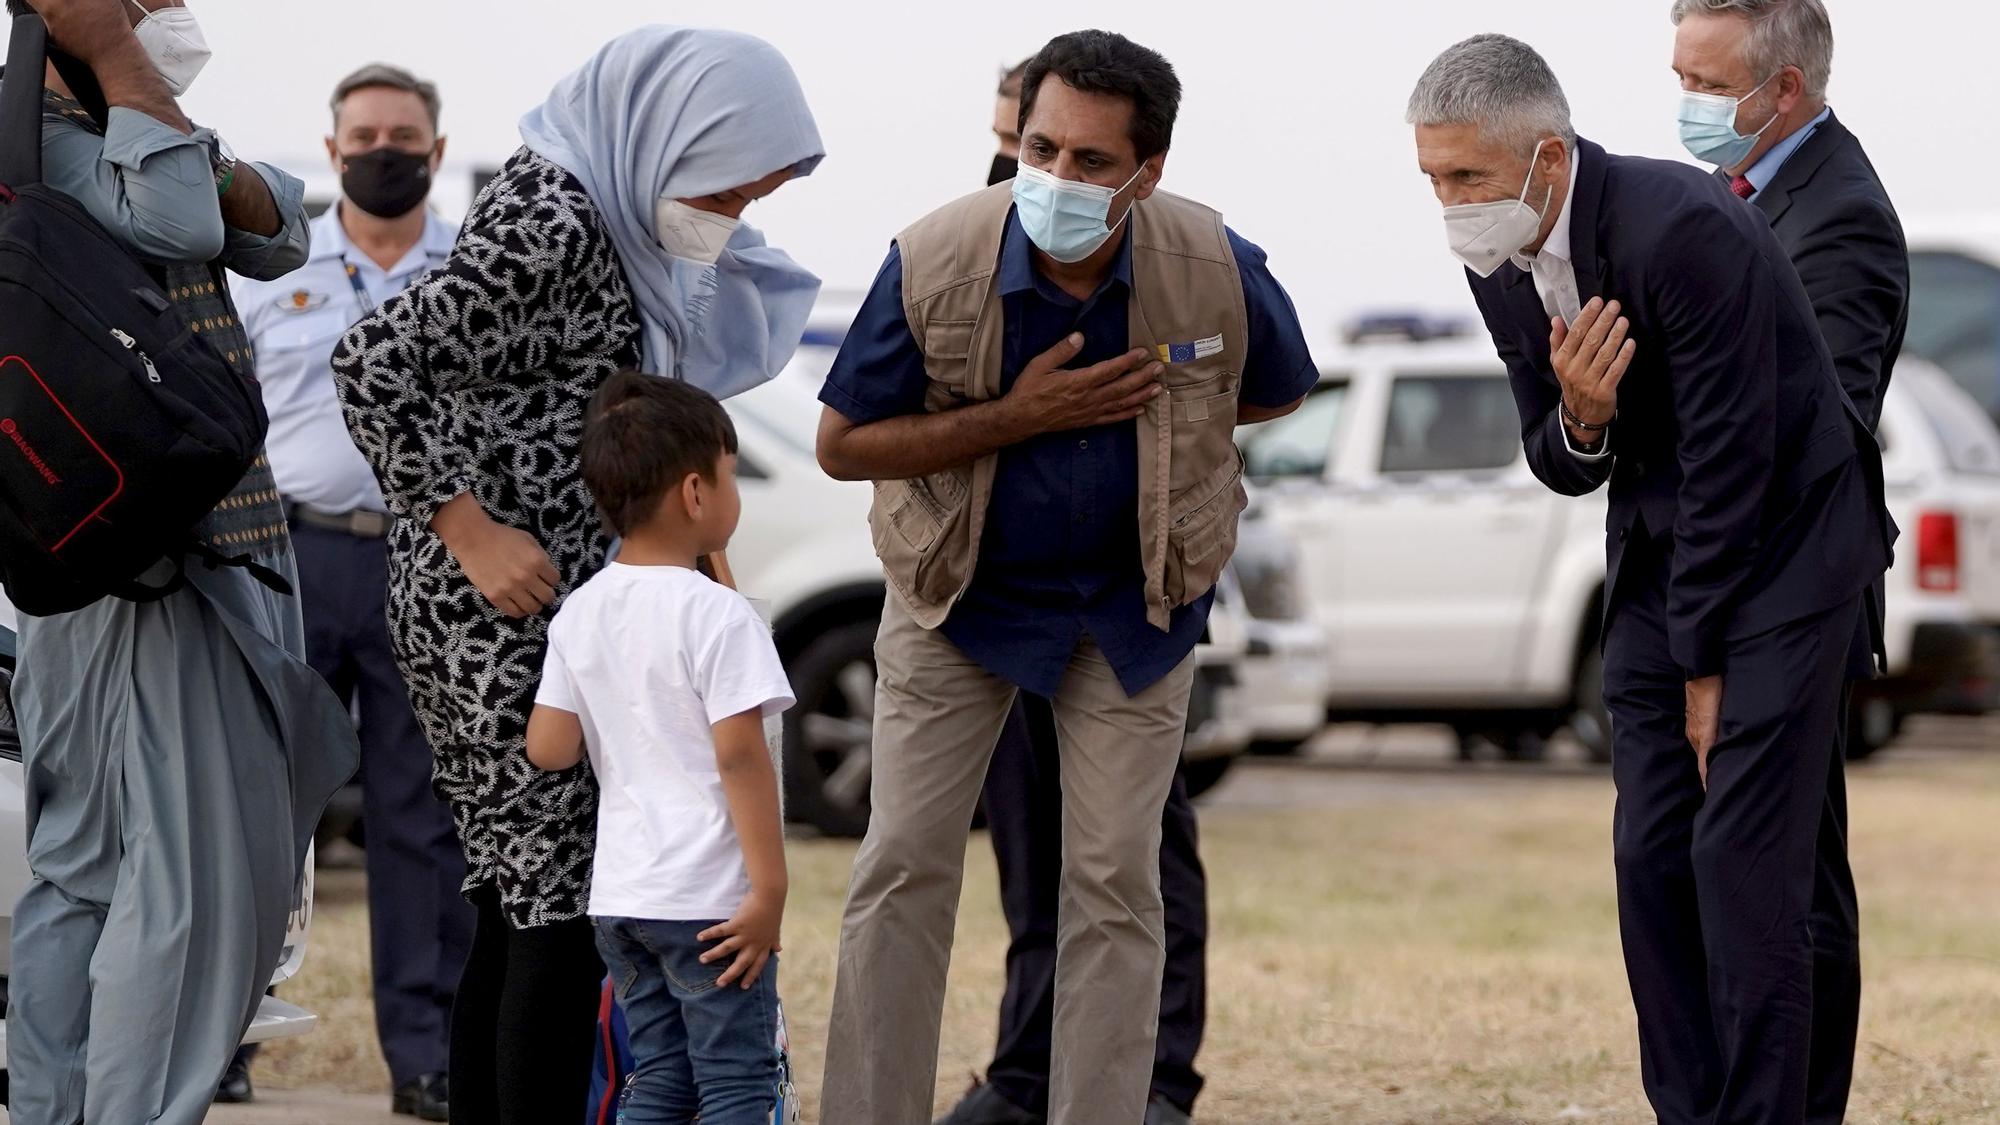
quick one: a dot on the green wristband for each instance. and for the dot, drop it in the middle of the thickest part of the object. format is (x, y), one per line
(222, 186)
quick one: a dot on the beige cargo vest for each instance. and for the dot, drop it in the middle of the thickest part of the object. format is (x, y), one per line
(1186, 305)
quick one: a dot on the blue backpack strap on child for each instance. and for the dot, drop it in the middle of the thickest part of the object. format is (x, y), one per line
(613, 1066)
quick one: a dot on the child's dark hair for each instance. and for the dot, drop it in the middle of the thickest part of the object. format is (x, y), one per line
(643, 436)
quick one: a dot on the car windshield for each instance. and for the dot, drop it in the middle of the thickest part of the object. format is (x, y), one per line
(1300, 444)
(788, 406)
(1968, 437)
(1955, 321)
(1450, 424)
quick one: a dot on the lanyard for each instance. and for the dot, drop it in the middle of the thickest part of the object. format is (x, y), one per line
(361, 297)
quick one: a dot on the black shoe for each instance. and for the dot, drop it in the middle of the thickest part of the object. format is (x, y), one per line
(983, 1105)
(1160, 1111)
(235, 1088)
(425, 1097)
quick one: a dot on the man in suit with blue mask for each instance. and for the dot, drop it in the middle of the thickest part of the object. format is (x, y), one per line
(1754, 79)
(1044, 384)
(1658, 339)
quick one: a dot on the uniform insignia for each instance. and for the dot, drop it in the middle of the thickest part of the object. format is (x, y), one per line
(303, 301)
(1188, 353)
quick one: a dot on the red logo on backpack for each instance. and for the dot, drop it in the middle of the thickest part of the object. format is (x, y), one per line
(13, 433)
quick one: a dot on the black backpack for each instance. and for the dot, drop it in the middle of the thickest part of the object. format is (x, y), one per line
(120, 428)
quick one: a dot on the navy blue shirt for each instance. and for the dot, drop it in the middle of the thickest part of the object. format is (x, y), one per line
(1059, 556)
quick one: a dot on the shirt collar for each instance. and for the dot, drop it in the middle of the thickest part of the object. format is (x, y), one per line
(1017, 259)
(330, 243)
(1765, 170)
(1557, 245)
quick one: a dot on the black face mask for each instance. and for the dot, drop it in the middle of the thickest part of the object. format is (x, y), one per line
(387, 183)
(1004, 169)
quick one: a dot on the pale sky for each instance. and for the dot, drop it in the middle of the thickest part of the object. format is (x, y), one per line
(1291, 122)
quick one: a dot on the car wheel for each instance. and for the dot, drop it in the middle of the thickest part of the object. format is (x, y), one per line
(10, 727)
(1205, 774)
(1277, 747)
(1522, 745)
(1871, 725)
(829, 734)
(1590, 720)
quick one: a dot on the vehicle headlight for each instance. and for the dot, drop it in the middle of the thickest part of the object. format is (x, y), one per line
(1267, 568)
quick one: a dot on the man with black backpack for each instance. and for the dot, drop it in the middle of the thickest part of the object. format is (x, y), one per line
(177, 748)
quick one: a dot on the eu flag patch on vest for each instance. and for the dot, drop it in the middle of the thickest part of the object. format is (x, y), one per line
(1188, 353)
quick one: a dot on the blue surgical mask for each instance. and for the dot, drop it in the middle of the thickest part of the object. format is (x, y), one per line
(742, 312)
(1708, 127)
(1065, 218)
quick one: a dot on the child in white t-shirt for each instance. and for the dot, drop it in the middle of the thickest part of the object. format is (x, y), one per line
(665, 678)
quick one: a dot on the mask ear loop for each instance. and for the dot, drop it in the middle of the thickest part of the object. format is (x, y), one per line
(1112, 228)
(1548, 197)
(1775, 113)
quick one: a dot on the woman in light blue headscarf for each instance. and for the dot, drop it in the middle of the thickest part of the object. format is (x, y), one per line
(612, 240)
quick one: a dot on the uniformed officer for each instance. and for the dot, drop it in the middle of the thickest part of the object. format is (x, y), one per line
(375, 242)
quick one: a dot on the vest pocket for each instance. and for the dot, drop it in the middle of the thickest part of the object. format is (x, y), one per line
(911, 523)
(1201, 530)
(1203, 426)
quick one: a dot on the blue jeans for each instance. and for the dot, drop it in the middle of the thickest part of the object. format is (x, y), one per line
(698, 1050)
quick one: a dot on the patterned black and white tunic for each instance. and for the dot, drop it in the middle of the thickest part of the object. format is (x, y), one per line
(475, 380)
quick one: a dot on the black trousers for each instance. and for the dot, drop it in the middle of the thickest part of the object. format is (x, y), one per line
(420, 927)
(1734, 904)
(524, 1030)
(1023, 804)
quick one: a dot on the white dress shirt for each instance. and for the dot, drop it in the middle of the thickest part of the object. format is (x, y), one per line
(1555, 283)
(294, 324)
(1555, 276)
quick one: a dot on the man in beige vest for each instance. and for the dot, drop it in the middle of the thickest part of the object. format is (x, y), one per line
(1044, 384)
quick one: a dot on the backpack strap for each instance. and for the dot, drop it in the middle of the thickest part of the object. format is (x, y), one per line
(21, 103)
(137, 591)
(213, 559)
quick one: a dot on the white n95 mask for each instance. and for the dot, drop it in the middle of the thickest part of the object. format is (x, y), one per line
(1483, 235)
(692, 233)
(173, 39)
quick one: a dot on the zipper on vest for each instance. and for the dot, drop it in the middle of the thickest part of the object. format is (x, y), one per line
(131, 345)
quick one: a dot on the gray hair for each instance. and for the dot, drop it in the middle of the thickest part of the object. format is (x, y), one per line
(1782, 33)
(393, 78)
(1498, 84)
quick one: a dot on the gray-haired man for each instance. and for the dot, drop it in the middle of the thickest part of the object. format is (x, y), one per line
(1657, 338)
(1753, 79)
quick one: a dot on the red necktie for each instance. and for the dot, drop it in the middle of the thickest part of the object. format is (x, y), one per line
(1742, 186)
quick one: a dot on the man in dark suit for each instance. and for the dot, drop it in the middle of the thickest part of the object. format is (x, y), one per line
(1809, 176)
(1799, 165)
(1658, 338)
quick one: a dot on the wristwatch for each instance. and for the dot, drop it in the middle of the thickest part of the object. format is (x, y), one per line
(223, 159)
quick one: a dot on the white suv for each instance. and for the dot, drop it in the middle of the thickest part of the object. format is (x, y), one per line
(1456, 588)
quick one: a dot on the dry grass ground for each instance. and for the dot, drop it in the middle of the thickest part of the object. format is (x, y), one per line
(1428, 961)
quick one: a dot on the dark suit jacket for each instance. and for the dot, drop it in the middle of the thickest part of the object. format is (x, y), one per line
(1733, 442)
(1829, 211)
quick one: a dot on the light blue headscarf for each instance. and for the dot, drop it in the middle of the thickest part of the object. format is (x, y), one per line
(678, 113)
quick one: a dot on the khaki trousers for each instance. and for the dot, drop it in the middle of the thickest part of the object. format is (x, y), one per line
(938, 715)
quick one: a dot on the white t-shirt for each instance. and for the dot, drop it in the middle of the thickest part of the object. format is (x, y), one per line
(649, 658)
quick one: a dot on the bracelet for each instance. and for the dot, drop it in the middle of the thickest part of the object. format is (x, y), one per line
(228, 178)
(1580, 424)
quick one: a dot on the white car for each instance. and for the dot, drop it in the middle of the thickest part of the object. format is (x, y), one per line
(804, 549)
(1955, 301)
(275, 1018)
(1456, 588)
